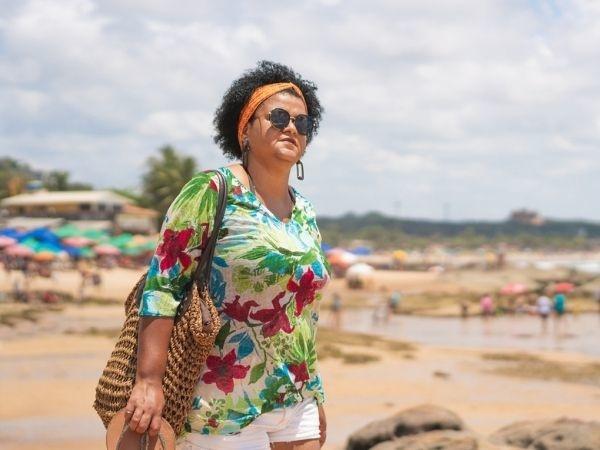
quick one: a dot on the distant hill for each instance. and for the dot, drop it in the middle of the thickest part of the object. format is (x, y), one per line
(384, 232)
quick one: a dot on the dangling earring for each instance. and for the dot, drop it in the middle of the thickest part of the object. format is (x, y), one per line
(245, 153)
(300, 170)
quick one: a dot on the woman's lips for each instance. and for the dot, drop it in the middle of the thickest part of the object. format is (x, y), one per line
(293, 141)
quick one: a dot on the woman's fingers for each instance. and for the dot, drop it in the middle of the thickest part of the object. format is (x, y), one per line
(142, 425)
(155, 425)
(136, 415)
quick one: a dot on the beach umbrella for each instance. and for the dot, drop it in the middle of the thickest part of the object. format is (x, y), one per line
(361, 251)
(19, 251)
(107, 250)
(563, 287)
(68, 230)
(96, 235)
(340, 257)
(6, 241)
(513, 289)
(77, 241)
(86, 252)
(121, 240)
(399, 255)
(325, 247)
(359, 269)
(44, 256)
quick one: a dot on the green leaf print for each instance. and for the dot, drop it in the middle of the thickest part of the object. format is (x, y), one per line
(195, 188)
(222, 335)
(245, 279)
(257, 372)
(256, 253)
(276, 263)
(303, 346)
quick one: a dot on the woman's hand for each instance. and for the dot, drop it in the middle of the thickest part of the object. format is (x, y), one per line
(322, 425)
(145, 407)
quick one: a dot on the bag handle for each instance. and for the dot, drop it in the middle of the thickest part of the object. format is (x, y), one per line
(202, 272)
(205, 263)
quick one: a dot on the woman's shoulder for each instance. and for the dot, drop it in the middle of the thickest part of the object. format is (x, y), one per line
(304, 204)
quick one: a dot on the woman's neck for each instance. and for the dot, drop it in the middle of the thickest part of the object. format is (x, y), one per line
(270, 182)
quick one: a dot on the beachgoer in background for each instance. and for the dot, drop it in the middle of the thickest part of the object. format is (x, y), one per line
(544, 308)
(486, 305)
(395, 299)
(560, 307)
(464, 309)
(336, 311)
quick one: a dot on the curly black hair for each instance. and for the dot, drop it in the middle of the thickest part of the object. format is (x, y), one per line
(266, 72)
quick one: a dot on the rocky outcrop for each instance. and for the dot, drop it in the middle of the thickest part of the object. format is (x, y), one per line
(412, 421)
(560, 434)
(430, 427)
(433, 440)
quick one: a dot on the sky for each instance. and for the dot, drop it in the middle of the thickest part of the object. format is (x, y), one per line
(454, 110)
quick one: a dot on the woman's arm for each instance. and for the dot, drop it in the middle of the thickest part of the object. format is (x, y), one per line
(146, 402)
(184, 232)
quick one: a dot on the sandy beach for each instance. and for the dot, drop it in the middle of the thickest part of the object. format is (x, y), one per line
(49, 369)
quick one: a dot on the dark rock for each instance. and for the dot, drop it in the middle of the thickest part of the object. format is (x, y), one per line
(415, 420)
(561, 434)
(568, 434)
(433, 440)
(518, 434)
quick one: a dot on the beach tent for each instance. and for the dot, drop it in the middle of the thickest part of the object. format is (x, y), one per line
(359, 275)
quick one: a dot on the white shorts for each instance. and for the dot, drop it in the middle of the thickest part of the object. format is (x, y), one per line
(296, 423)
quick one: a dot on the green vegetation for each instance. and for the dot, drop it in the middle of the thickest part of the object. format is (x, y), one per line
(15, 175)
(164, 177)
(386, 232)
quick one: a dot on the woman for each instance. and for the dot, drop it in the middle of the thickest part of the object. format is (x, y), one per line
(260, 386)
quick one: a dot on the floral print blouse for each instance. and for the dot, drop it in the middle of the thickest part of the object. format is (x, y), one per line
(266, 281)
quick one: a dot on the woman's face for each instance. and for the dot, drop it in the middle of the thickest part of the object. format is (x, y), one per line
(268, 142)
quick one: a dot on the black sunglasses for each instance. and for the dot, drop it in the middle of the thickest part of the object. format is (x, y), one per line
(280, 119)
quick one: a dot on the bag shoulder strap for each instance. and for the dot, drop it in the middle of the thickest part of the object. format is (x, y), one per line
(202, 274)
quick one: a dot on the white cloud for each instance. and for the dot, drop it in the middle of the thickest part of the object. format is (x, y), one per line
(481, 104)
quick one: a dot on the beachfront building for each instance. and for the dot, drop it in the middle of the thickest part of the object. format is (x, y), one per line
(527, 217)
(104, 210)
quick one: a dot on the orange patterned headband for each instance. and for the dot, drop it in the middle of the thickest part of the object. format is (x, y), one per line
(258, 96)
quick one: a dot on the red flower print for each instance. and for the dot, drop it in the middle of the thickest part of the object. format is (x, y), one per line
(213, 422)
(172, 248)
(300, 371)
(238, 311)
(274, 319)
(223, 371)
(305, 290)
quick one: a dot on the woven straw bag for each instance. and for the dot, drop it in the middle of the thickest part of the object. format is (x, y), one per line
(194, 331)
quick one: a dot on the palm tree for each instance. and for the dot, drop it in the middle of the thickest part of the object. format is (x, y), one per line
(164, 178)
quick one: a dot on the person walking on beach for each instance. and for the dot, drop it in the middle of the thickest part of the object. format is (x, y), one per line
(336, 311)
(486, 305)
(544, 309)
(395, 299)
(260, 387)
